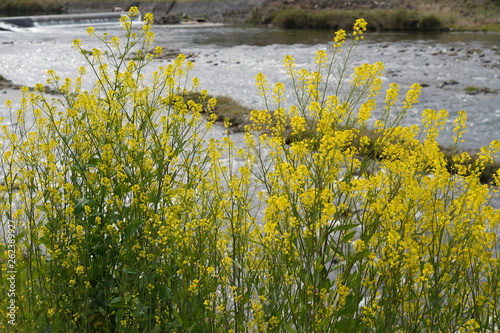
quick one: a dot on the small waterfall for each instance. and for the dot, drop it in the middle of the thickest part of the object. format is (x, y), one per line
(6, 26)
(19, 22)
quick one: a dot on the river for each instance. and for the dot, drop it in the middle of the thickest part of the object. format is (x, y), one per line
(228, 57)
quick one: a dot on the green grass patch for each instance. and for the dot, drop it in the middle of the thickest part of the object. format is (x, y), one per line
(494, 27)
(399, 19)
(473, 90)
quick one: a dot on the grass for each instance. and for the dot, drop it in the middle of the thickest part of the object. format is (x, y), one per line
(493, 27)
(400, 15)
(473, 90)
(400, 19)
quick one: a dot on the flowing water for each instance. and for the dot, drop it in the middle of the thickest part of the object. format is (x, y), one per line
(227, 58)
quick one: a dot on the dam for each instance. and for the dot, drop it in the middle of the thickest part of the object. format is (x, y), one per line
(20, 22)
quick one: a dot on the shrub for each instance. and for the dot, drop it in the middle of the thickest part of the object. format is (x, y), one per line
(430, 22)
(122, 215)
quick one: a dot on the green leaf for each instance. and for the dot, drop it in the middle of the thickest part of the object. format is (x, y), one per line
(92, 162)
(348, 236)
(130, 270)
(349, 306)
(19, 236)
(140, 310)
(121, 189)
(119, 315)
(288, 328)
(80, 205)
(102, 311)
(115, 300)
(45, 240)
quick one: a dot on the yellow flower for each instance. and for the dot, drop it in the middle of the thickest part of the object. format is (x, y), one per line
(472, 326)
(79, 230)
(359, 245)
(134, 11)
(460, 126)
(321, 58)
(193, 287)
(115, 42)
(365, 111)
(412, 95)
(359, 28)
(262, 84)
(148, 18)
(278, 93)
(298, 124)
(339, 38)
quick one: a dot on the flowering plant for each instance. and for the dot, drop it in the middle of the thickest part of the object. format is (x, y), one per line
(129, 218)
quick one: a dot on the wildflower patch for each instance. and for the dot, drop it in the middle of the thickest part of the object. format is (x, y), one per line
(121, 215)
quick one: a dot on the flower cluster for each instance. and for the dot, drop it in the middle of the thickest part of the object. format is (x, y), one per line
(129, 219)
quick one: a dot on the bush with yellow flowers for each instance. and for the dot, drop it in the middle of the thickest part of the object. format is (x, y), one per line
(121, 214)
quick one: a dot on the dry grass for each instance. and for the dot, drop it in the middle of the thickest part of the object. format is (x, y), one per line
(465, 15)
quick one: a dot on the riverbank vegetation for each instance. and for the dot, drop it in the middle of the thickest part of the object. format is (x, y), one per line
(122, 213)
(31, 7)
(380, 19)
(328, 14)
(387, 15)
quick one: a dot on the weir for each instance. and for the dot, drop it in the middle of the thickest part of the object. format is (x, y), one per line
(19, 22)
